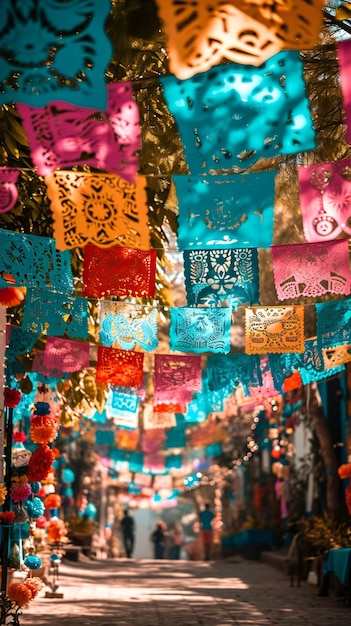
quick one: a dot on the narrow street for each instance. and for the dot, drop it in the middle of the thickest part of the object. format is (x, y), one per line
(182, 593)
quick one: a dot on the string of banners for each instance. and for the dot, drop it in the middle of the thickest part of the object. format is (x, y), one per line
(229, 115)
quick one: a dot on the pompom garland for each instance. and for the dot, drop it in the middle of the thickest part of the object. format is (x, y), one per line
(19, 437)
(3, 493)
(32, 561)
(348, 498)
(20, 478)
(40, 463)
(7, 517)
(20, 491)
(42, 408)
(56, 530)
(12, 296)
(41, 522)
(35, 508)
(34, 585)
(344, 471)
(12, 397)
(43, 429)
(19, 593)
(42, 493)
(53, 501)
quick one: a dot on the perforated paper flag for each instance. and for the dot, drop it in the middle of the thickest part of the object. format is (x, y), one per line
(268, 388)
(124, 408)
(175, 438)
(228, 372)
(119, 367)
(176, 377)
(105, 437)
(334, 357)
(325, 190)
(8, 189)
(172, 406)
(61, 135)
(152, 439)
(312, 270)
(119, 271)
(214, 276)
(344, 58)
(127, 439)
(200, 330)
(202, 34)
(154, 420)
(69, 356)
(274, 329)
(232, 115)
(126, 326)
(310, 363)
(19, 342)
(102, 209)
(55, 314)
(154, 463)
(221, 212)
(333, 323)
(162, 482)
(54, 51)
(33, 261)
(38, 366)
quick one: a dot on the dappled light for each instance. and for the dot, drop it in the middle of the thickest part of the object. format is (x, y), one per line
(175, 312)
(146, 592)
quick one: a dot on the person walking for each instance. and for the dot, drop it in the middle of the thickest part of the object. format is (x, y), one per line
(159, 540)
(206, 531)
(176, 541)
(128, 530)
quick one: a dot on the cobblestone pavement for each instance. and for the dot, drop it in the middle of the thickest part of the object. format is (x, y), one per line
(182, 593)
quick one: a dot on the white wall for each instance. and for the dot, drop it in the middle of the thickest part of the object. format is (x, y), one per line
(145, 522)
(302, 435)
(302, 443)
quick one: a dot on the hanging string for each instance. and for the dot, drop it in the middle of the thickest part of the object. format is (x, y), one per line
(154, 304)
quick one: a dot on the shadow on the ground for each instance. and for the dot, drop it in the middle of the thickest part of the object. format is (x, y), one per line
(180, 593)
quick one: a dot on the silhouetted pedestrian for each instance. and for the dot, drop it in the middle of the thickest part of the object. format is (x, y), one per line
(159, 540)
(206, 531)
(128, 529)
(176, 540)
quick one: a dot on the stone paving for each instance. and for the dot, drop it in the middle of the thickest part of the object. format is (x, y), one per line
(233, 591)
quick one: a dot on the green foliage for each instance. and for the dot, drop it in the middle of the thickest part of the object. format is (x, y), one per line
(324, 533)
(79, 527)
(298, 483)
(14, 560)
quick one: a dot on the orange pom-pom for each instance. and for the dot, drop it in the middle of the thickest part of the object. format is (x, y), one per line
(12, 296)
(344, 471)
(348, 498)
(19, 594)
(292, 382)
(52, 501)
(43, 429)
(56, 530)
(40, 463)
(34, 585)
